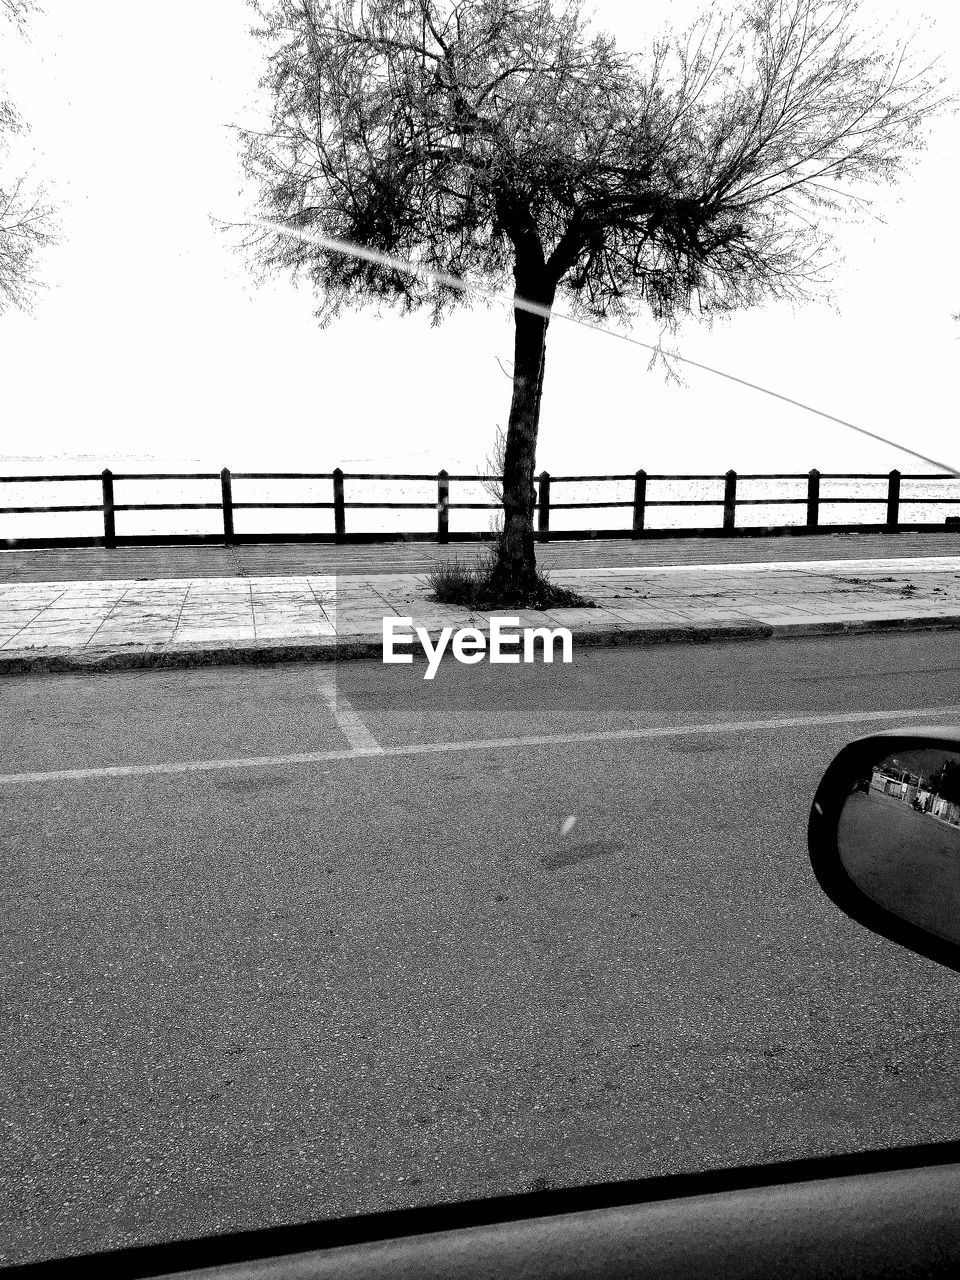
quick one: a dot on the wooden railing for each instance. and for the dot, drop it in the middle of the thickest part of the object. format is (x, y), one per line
(639, 504)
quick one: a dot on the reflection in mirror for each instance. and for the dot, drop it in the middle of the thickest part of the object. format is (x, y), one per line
(899, 837)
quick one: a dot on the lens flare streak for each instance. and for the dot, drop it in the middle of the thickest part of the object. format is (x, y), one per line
(431, 276)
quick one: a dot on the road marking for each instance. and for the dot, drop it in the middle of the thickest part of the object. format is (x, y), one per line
(351, 726)
(917, 714)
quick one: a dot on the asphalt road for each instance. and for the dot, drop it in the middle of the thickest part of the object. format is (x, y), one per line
(397, 973)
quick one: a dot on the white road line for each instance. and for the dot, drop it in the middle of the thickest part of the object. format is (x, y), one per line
(917, 714)
(351, 726)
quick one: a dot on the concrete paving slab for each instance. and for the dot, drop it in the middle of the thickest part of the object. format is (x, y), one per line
(50, 639)
(294, 630)
(185, 634)
(130, 635)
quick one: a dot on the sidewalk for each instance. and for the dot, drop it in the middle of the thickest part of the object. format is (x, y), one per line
(187, 621)
(295, 559)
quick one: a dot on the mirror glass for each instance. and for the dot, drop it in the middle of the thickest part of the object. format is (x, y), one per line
(899, 837)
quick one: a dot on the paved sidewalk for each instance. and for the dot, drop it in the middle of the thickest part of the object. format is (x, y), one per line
(296, 559)
(91, 625)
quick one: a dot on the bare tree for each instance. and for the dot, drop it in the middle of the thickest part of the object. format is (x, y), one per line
(17, 10)
(26, 225)
(26, 220)
(499, 139)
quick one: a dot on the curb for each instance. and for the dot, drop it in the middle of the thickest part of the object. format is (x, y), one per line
(260, 652)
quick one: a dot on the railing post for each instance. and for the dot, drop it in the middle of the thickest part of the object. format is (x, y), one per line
(543, 511)
(339, 507)
(639, 502)
(729, 501)
(443, 506)
(893, 500)
(226, 492)
(109, 520)
(813, 499)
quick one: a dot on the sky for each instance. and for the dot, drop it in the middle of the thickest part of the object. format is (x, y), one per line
(152, 340)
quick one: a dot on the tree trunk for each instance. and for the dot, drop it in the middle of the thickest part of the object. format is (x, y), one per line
(516, 566)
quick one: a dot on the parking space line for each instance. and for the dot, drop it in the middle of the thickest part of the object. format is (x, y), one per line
(916, 714)
(349, 722)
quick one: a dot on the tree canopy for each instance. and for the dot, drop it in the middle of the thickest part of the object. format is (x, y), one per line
(26, 221)
(458, 135)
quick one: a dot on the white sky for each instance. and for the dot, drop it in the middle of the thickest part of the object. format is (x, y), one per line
(152, 341)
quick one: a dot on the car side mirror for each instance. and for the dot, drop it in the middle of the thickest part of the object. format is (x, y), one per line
(884, 838)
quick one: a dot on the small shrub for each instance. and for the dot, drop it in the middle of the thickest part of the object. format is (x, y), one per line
(450, 581)
(471, 584)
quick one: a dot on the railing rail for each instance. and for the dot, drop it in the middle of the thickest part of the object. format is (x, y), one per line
(729, 500)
